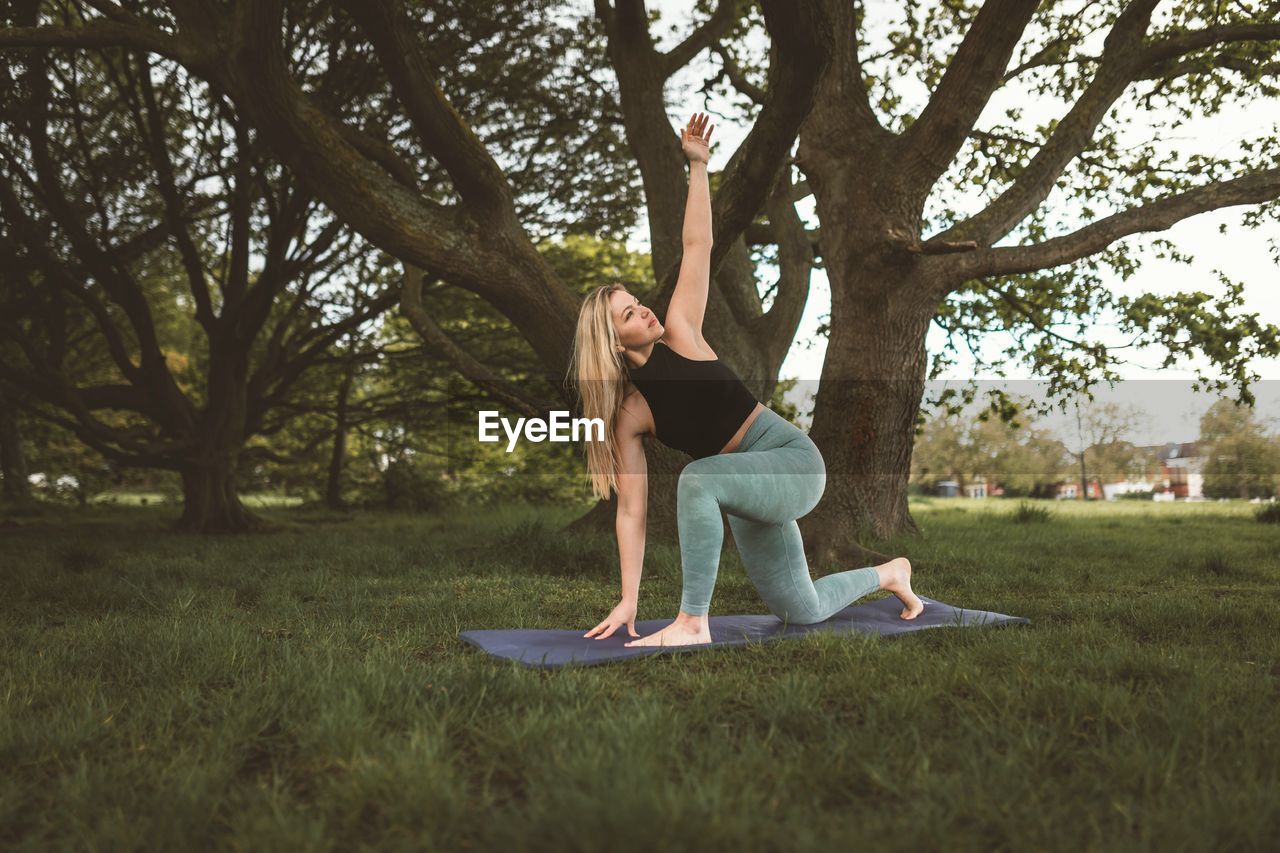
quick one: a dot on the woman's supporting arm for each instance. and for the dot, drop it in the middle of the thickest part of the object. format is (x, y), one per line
(631, 533)
(633, 503)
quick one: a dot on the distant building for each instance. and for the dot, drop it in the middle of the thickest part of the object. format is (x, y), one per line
(1182, 466)
(978, 487)
(1179, 477)
(1068, 490)
(1124, 487)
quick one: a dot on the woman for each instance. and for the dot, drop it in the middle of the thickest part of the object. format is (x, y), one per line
(640, 376)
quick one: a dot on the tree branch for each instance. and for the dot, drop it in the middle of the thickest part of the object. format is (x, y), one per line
(975, 71)
(105, 264)
(473, 370)
(1157, 215)
(795, 267)
(708, 34)
(151, 131)
(478, 179)
(1068, 139)
(737, 77)
(1180, 44)
(320, 149)
(109, 33)
(802, 38)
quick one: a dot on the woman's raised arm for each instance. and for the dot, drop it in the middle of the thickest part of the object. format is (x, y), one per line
(689, 300)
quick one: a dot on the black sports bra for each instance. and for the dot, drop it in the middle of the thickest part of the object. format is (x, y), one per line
(697, 405)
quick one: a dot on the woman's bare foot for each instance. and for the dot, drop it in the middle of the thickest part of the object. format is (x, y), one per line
(685, 631)
(895, 576)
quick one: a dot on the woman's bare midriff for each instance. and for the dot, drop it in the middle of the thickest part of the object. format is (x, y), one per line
(742, 430)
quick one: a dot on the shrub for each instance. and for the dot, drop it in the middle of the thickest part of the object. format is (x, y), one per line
(1140, 495)
(1269, 514)
(1027, 512)
(79, 559)
(1215, 565)
(412, 487)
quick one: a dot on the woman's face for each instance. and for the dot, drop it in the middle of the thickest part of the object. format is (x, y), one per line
(635, 324)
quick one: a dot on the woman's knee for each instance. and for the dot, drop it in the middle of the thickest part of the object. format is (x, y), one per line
(695, 485)
(819, 484)
(793, 613)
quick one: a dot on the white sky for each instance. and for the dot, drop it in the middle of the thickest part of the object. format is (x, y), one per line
(1172, 408)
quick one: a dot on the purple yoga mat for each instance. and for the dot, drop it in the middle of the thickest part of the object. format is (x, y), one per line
(548, 649)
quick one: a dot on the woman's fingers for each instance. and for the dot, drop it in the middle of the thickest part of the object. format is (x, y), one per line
(697, 128)
(602, 626)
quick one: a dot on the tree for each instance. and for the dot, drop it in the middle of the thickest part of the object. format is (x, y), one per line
(1096, 440)
(945, 450)
(417, 180)
(13, 456)
(1242, 461)
(171, 282)
(895, 264)
(1023, 459)
(900, 253)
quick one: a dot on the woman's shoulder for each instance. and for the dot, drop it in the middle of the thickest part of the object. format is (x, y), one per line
(688, 346)
(635, 412)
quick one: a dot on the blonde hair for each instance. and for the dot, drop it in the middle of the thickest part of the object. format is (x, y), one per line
(601, 375)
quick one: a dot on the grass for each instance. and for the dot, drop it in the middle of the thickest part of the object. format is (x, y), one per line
(128, 498)
(305, 689)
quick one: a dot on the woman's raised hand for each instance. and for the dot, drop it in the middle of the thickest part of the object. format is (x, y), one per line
(695, 138)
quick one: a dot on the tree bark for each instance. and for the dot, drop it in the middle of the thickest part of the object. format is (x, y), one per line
(864, 420)
(209, 500)
(211, 504)
(338, 458)
(13, 462)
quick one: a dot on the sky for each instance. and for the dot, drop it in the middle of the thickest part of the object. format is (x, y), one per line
(1169, 407)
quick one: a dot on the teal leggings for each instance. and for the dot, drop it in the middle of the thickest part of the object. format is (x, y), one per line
(774, 476)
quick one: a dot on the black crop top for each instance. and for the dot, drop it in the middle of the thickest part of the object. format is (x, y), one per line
(697, 405)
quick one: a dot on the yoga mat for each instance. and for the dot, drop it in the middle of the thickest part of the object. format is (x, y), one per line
(548, 649)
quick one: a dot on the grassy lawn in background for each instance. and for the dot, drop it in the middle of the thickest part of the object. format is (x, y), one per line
(304, 689)
(253, 501)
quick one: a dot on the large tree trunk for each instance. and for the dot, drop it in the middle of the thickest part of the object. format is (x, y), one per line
(864, 415)
(338, 457)
(13, 462)
(210, 503)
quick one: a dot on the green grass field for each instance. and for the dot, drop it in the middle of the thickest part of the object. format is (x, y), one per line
(304, 689)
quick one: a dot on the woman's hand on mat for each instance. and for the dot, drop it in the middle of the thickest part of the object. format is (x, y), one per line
(695, 139)
(623, 614)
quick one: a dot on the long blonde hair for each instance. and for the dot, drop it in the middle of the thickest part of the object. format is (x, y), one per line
(601, 376)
